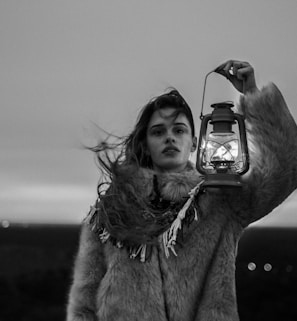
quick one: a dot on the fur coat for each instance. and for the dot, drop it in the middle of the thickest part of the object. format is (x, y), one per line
(199, 282)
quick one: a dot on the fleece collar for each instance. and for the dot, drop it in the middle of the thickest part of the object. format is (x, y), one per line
(140, 206)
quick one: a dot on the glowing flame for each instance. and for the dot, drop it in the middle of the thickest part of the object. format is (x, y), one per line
(225, 152)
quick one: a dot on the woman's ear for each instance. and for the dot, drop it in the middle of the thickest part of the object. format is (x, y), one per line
(194, 146)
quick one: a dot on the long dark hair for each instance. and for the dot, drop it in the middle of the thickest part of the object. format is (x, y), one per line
(132, 150)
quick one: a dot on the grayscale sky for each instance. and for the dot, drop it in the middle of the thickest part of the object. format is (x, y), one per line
(68, 65)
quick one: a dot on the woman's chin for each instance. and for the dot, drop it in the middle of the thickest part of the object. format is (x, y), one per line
(170, 166)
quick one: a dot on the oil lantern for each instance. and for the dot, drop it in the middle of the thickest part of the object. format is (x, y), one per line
(222, 155)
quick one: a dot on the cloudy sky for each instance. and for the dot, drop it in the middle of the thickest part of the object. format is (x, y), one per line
(67, 65)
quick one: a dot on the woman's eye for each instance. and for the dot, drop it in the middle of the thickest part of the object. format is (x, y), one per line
(157, 132)
(180, 130)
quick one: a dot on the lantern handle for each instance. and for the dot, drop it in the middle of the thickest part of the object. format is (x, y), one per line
(203, 94)
(204, 88)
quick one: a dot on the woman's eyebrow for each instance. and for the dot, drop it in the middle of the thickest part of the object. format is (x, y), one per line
(163, 125)
(183, 124)
(157, 125)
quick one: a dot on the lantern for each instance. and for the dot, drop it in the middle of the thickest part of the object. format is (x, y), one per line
(222, 152)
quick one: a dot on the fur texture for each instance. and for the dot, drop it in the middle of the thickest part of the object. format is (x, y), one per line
(139, 205)
(198, 284)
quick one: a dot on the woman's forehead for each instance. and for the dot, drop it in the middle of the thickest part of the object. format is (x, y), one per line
(167, 116)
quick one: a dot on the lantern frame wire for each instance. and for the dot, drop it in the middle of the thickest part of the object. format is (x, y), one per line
(234, 168)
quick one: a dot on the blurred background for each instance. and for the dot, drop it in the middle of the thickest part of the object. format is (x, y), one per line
(67, 67)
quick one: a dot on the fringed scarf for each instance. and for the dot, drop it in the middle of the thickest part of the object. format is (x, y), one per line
(140, 207)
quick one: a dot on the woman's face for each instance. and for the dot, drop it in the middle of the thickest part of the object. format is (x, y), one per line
(169, 140)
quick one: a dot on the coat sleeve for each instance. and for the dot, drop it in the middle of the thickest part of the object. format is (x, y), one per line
(89, 269)
(272, 143)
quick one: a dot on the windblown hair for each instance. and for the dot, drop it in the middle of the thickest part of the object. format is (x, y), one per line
(132, 150)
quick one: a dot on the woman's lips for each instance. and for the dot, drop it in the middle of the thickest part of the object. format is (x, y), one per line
(170, 150)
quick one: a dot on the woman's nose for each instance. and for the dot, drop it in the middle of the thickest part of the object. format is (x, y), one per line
(170, 138)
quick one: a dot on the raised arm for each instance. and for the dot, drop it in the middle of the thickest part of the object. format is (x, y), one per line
(272, 143)
(89, 269)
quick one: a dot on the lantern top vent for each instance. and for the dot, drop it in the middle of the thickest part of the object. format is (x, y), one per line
(225, 104)
(222, 112)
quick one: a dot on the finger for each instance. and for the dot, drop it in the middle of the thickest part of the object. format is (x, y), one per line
(228, 67)
(243, 73)
(238, 65)
(220, 71)
(222, 68)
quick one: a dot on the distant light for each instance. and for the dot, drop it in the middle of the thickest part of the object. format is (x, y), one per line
(267, 267)
(252, 266)
(289, 268)
(5, 224)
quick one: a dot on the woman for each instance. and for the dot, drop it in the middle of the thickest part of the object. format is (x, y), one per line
(157, 246)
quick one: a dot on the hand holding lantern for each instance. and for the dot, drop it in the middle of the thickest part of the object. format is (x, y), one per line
(240, 74)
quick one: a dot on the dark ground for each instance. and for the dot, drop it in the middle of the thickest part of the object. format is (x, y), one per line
(36, 266)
